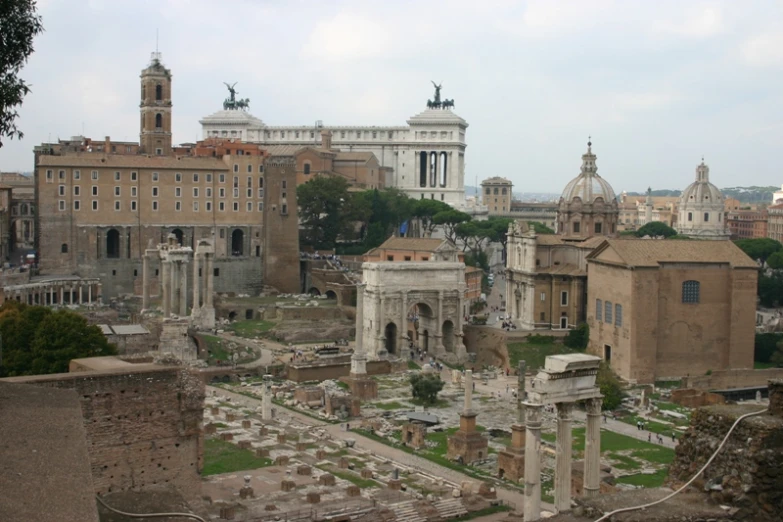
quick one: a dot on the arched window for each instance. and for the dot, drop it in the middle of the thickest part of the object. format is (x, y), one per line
(690, 216)
(23, 208)
(706, 217)
(113, 244)
(159, 92)
(158, 121)
(307, 168)
(690, 292)
(64, 248)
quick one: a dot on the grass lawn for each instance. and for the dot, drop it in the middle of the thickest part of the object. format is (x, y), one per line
(647, 481)
(218, 350)
(250, 328)
(343, 385)
(350, 477)
(762, 365)
(413, 366)
(394, 405)
(533, 354)
(440, 403)
(223, 457)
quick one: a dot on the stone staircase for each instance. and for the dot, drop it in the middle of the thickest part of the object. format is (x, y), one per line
(406, 512)
(450, 508)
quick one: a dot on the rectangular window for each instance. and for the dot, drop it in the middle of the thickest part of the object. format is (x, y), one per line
(236, 206)
(250, 168)
(94, 190)
(195, 206)
(236, 167)
(576, 227)
(209, 178)
(236, 181)
(134, 206)
(209, 206)
(195, 192)
(117, 205)
(77, 190)
(250, 193)
(222, 206)
(222, 178)
(284, 209)
(618, 315)
(598, 227)
(608, 312)
(133, 191)
(261, 182)
(283, 195)
(284, 184)
(178, 177)
(134, 176)
(250, 206)
(706, 217)
(195, 178)
(543, 296)
(116, 191)
(563, 298)
(260, 193)
(95, 204)
(76, 204)
(222, 192)
(154, 192)
(155, 176)
(598, 309)
(61, 174)
(155, 206)
(49, 176)
(236, 192)
(178, 206)
(95, 174)
(61, 204)
(77, 174)
(260, 206)
(177, 192)
(260, 169)
(61, 190)
(209, 192)
(117, 176)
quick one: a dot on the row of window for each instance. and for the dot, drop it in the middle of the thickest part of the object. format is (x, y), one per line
(604, 312)
(563, 297)
(597, 227)
(706, 217)
(487, 191)
(62, 205)
(77, 175)
(156, 192)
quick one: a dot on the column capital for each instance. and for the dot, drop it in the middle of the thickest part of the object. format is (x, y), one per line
(593, 406)
(564, 410)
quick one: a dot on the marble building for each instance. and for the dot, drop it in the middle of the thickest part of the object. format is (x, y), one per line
(701, 213)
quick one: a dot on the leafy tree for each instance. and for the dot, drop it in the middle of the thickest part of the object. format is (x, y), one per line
(765, 346)
(450, 219)
(323, 205)
(578, 337)
(540, 228)
(426, 387)
(498, 232)
(19, 24)
(39, 341)
(759, 249)
(655, 229)
(425, 210)
(770, 289)
(610, 388)
(775, 261)
(777, 357)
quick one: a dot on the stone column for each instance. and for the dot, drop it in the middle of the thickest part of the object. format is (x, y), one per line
(266, 400)
(439, 346)
(563, 457)
(89, 293)
(165, 287)
(62, 294)
(404, 350)
(174, 283)
(593, 447)
(145, 282)
(196, 284)
(532, 509)
(183, 288)
(359, 358)
(521, 393)
(210, 273)
(468, 391)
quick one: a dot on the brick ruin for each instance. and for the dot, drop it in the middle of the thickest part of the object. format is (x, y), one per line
(414, 435)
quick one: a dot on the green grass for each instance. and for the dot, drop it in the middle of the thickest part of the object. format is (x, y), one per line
(647, 481)
(394, 405)
(250, 328)
(343, 385)
(625, 462)
(215, 347)
(223, 457)
(413, 366)
(484, 512)
(440, 403)
(350, 477)
(534, 354)
(649, 425)
(762, 365)
(668, 384)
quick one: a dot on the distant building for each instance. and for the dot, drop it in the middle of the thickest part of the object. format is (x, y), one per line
(22, 224)
(664, 309)
(496, 195)
(701, 210)
(775, 222)
(747, 224)
(777, 196)
(636, 211)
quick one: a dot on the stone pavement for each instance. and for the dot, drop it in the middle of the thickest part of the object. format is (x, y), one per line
(626, 429)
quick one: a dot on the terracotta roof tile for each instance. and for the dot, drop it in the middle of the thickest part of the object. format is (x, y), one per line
(413, 243)
(653, 252)
(108, 161)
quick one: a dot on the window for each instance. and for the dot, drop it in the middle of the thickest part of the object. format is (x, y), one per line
(117, 176)
(195, 206)
(178, 206)
(495, 191)
(95, 174)
(260, 206)
(134, 176)
(260, 182)
(284, 209)
(690, 292)
(608, 312)
(250, 168)
(618, 315)
(222, 178)
(76, 190)
(77, 174)
(158, 92)
(209, 192)
(155, 206)
(209, 178)
(154, 176)
(236, 181)
(284, 184)
(222, 206)
(563, 298)
(222, 233)
(598, 309)
(61, 174)
(209, 206)
(706, 217)
(222, 192)
(236, 167)
(598, 227)
(49, 176)
(260, 169)
(487, 191)
(77, 205)
(134, 206)
(64, 248)
(576, 227)
(216, 272)
(116, 191)
(94, 190)
(178, 177)
(283, 195)
(177, 192)
(195, 192)
(236, 206)
(236, 192)
(250, 182)
(117, 205)
(61, 190)
(543, 296)
(250, 206)
(307, 168)
(690, 216)
(195, 178)
(94, 204)
(134, 190)
(607, 353)
(250, 193)
(154, 192)
(61, 204)
(158, 121)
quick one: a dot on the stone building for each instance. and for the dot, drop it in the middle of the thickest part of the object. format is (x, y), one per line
(747, 224)
(22, 225)
(777, 196)
(5, 222)
(588, 206)
(660, 309)
(496, 195)
(637, 211)
(426, 157)
(775, 222)
(701, 212)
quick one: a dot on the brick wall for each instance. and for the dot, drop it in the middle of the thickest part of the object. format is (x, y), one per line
(143, 426)
(281, 230)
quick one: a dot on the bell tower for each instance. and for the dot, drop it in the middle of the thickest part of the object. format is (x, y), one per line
(155, 106)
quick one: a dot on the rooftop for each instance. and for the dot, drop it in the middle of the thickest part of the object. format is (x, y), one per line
(654, 252)
(412, 243)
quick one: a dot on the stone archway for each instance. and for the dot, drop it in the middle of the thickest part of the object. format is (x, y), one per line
(314, 291)
(390, 333)
(330, 294)
(448, 336)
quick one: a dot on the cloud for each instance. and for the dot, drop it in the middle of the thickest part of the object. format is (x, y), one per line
(764, 50)
(703, 21)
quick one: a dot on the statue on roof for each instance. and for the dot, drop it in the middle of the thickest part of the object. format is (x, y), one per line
(232, 103)
(437, 92)
(437, 103)
(231, 90)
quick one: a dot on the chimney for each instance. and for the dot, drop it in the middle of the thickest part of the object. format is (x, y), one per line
(326, 139)
(107, 145)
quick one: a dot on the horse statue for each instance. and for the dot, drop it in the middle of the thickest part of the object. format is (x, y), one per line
(448, 103)
(243, 103)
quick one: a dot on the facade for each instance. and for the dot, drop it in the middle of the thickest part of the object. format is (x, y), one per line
(747, 224)
(473, 279)
(22, 222)
(664, 309)
(701, 212)
(777, 196)
(426, 157)
(775, 222)
(496, 195)
(5, 223)
(588, 206)
(155, 135)
(636, 212)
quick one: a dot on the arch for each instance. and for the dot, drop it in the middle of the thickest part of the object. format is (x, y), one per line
(64, 248)
(314, 291)
(232, 315)
(158, 92)
(442, 169)
(448, 336)
(422, 169)
(113, 244)
(23, 209)
(237, 242)
(390, 333)
(433, 169)
(330, 294)
(158, 121)
(180, 235)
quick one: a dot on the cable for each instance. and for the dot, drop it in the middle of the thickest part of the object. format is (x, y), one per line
(149, 515)
(709, 461)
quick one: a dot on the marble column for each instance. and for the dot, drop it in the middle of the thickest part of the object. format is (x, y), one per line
(468, 392)
(439, 346)
(593, 447)
(145, 281)
(183, 288)
(62, 294)
(165, 287)
(196, 283)
(532, 510)
(210, 273)
(89, 293)
(404, 350)
(563, 457)
(174, 284)
(359, 358)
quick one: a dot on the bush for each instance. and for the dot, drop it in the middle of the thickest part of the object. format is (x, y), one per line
(541, 339)
(609, 384)
(578, 337)
(426, 387)
(766, 346)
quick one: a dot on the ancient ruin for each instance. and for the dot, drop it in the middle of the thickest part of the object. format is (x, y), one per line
(467, 445)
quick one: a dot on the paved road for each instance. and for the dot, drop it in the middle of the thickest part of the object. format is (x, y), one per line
(337, 432)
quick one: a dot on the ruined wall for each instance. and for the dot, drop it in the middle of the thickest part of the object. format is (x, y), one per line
(727, 379)
(143, 426)
(321, 372)
(746, 473)
(134, 344)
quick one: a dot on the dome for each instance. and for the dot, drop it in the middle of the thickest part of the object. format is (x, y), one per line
(701, 211)
(588, 185)
(701, 193)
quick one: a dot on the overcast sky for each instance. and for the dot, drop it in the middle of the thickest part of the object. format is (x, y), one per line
(657, 83)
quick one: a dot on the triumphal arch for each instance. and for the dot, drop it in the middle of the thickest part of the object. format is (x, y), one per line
(414, 304)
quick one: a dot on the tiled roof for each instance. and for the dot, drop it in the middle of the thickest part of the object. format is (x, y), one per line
(567, 269)
(108, 161)
(412, 243)
(353, 156)
(552, 239)
(653, 252)
(283, 150)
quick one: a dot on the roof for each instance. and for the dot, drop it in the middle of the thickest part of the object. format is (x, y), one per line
(108, 161)
(563, 270)
(353, 156)
(283, 150)
(232, 117)
(436, 116)
(553, 239)
(496, 180)
(413, 243)
(654, 252)
(426, 418)
(128, 329)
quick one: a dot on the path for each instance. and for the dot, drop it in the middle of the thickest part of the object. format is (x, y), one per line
(513, 497)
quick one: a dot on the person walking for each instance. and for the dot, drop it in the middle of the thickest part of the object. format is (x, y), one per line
(649, 437)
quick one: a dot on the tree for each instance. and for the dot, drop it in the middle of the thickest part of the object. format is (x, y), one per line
(656, 229)
(19, 24)
(766, 344)
(578, 337)
(39, 341)
(759, 249)
(425, 210)
(775, 261)
(777, 357)
(499, 232)
(610, 388)
(540, 228)
(323, 202)
(450, 219)
(770, 289)
(425, 387)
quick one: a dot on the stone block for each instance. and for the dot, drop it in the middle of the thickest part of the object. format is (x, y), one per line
(343, 463)
(263, 431)
(210, 429)
(281, 439)
(327, 479)
(395, 484)
(226, 436)
(282, 460)
(230, 417)
(320, 454)
(246, 424)
(262, 452)
(304, 470)
(366, 473)
(301, 446)
(245, 444)
(313, 497)
(214, 411)
(362, 388)
(414, 435)
(227, 512)
(246, 492)
(288, 485)
(467, 445)
(353, 491)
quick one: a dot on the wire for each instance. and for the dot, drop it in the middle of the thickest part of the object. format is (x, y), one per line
(149, 515)
(709, 461)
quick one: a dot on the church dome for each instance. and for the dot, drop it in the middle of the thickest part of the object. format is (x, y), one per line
(701, 212)
(588, 185)
(701, 192)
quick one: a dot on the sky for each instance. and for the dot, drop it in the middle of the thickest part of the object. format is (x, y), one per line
(656, 84)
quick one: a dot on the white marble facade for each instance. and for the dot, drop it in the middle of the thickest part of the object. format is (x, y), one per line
(701, 211)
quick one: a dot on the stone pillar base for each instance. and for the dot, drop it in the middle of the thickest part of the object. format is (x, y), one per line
(362, 387)
(511, 465)
(467, 444)
(395, 484)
